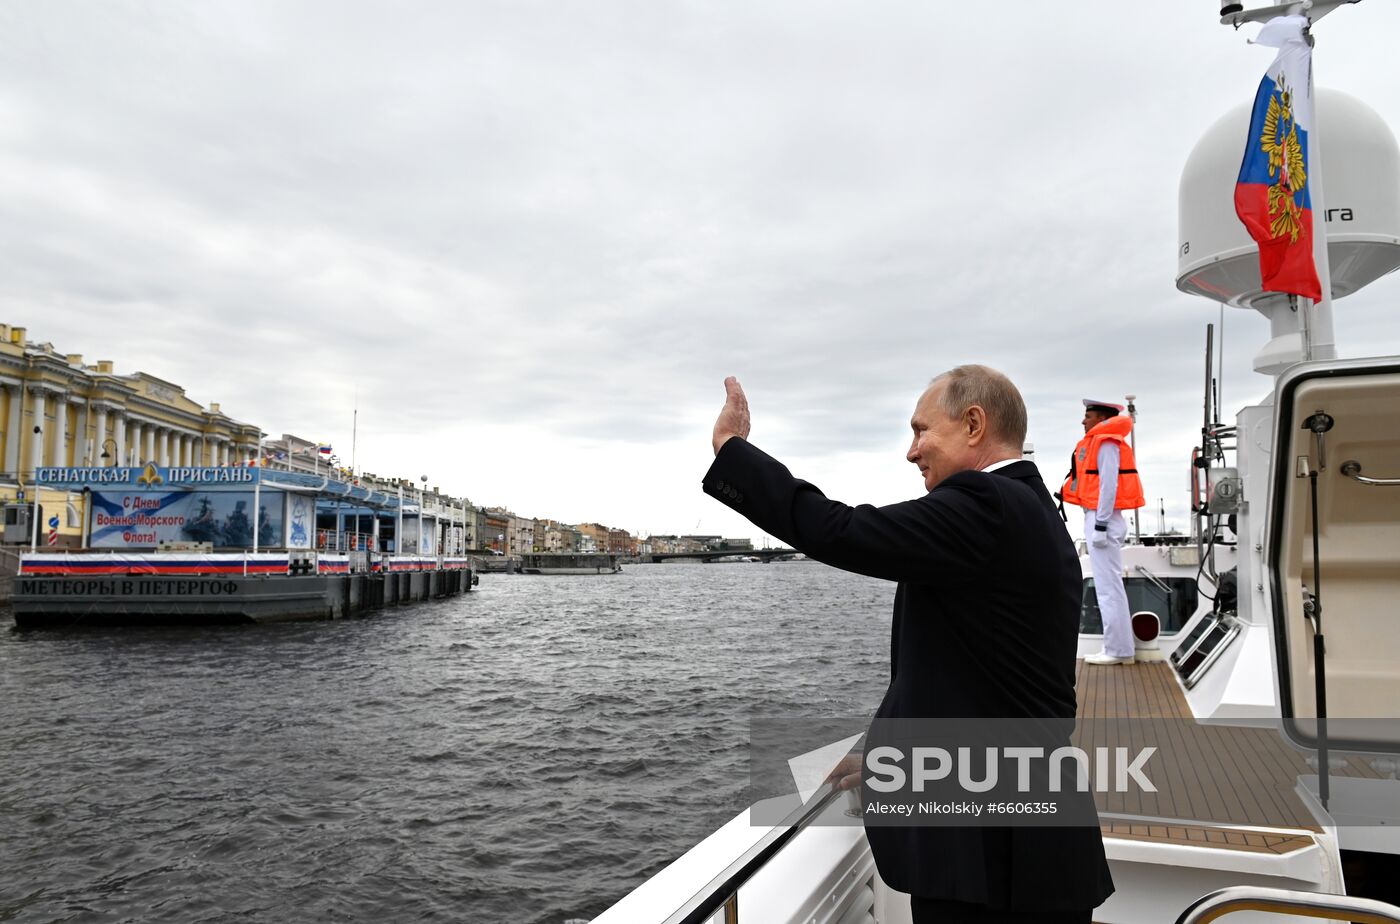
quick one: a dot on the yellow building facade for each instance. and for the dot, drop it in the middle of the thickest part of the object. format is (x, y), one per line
(57, 410)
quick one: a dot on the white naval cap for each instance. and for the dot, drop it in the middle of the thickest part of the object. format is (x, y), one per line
(1094, 402)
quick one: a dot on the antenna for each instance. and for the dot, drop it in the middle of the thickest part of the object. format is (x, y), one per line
(1220, 362)
(1234, 14)
(1132, 442)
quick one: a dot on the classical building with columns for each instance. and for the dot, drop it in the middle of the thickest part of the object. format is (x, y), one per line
(58, 410)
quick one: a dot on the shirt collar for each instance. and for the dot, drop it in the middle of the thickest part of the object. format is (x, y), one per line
(1002, 464)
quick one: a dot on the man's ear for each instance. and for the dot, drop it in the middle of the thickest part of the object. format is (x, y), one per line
(975, 425)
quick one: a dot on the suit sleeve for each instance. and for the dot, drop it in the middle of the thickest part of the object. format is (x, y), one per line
(947, 535)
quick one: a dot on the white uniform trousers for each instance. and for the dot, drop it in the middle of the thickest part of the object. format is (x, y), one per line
(1107, 565)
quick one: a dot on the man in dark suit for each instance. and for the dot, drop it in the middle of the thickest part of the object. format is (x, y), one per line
(986, 619)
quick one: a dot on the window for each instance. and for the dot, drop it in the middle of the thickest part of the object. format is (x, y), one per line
(1173, 606)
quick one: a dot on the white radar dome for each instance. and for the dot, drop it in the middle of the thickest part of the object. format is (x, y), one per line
(1217, 258)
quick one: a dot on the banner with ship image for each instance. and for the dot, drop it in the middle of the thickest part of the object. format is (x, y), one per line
(301, 520)
(148, 519)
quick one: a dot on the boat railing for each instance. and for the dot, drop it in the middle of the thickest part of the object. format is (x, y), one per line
(331, 540)
(721, 894)
(1286, 901)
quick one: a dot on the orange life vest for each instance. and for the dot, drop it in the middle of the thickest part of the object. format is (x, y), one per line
(1082, 486)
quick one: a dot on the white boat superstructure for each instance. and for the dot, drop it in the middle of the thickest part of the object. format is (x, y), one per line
(1290, 680)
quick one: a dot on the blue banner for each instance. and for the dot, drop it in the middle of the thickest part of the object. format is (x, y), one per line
(145, 519)
(149, 476)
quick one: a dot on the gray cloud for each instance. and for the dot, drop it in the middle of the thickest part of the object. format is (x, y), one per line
(572, 220)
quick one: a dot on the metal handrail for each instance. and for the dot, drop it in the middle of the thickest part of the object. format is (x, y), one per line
(1287, 901)
(723, 892)
(1156, 581)
(1352, 469)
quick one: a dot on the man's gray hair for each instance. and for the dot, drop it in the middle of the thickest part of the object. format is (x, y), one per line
(993, 392)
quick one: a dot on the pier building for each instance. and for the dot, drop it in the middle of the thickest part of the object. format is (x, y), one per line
(495, 529)
(553, 536)
(59, 410)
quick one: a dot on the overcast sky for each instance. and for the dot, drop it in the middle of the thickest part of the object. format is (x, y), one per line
(531, 238)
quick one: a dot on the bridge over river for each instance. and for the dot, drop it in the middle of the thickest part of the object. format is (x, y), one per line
(763, 555)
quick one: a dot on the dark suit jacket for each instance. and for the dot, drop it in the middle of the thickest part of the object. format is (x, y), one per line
(986, 622)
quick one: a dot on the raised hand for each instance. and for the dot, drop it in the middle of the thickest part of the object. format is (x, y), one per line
(733, 417)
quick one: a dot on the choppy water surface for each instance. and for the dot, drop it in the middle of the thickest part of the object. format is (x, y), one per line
(528, 752)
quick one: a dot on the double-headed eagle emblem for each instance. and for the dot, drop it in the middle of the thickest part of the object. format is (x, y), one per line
(1279, 142)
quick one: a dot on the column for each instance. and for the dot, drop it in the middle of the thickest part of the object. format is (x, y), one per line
(138, 443)
(133, 443)
(119, 435)
(36, 443)
(62, 431)
(12, 431)
(148, 434)
(100, 438)
(82, 454)
(163, 446)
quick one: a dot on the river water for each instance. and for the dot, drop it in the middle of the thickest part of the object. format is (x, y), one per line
(527, 753)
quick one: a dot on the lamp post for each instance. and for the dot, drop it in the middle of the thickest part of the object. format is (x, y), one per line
(422, 511)
(87, 516)
(332, 471)
(34, 536)
(1132, 442)
(398, 527)
(257, 499)
(109, 454)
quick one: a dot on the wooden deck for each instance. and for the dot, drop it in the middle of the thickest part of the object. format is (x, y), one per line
(1120, 691)
(1276, 843)
(1207, 776)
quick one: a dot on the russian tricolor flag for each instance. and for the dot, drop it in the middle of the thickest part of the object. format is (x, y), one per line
(1272, 193)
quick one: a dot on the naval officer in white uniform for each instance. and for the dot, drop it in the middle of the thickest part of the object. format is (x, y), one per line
(1103, 479)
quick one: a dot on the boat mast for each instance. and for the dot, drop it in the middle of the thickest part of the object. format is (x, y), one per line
(1132, 444)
